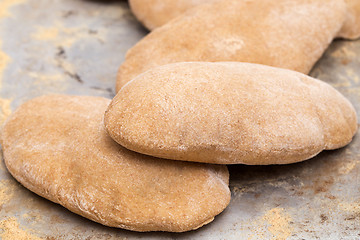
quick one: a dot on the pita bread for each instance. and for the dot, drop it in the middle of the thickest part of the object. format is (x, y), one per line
(57, 147)
(230, 113)
(291, 34)
(155, 13)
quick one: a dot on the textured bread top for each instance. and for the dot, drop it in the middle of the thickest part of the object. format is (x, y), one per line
(290, 34)
(351, 28)
(155, 13)
(229, 113)
(57, 147)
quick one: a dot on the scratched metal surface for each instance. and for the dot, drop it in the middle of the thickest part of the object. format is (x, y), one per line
(76, 46)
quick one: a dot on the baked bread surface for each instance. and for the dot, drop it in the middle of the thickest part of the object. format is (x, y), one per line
(155, 13)
(57, 147)
(230, 113)
(291, 34)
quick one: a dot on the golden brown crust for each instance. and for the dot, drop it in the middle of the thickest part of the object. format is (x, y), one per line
(155, 13)
(230, 113)
(351, 28)
(58, 148)
(291, 34)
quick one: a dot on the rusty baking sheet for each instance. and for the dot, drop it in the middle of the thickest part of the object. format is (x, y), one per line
(76, 46)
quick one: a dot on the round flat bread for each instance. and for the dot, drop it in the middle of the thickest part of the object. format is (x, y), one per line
(229, 113)
(155, 13)
(57, 147)
(291, 34)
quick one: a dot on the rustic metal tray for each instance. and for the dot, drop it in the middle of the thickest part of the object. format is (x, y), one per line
(76, 47)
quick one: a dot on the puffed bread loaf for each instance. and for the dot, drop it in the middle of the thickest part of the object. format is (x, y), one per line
(229, 113)
(155, 13)
(290, 34)
(57, 147)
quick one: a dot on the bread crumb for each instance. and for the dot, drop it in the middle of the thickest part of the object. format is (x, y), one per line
(343, 52)
(352, 75)
(59, 35)
(5, 5)
(279, 222)
(348, 167)
(49, 81)
(11, 231)
(33, 217)
(6, 191)
(4, 60)
(352, 207)
(46, 34)
(5, 109)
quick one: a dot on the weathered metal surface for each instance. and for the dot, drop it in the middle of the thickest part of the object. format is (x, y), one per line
(76, 46)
